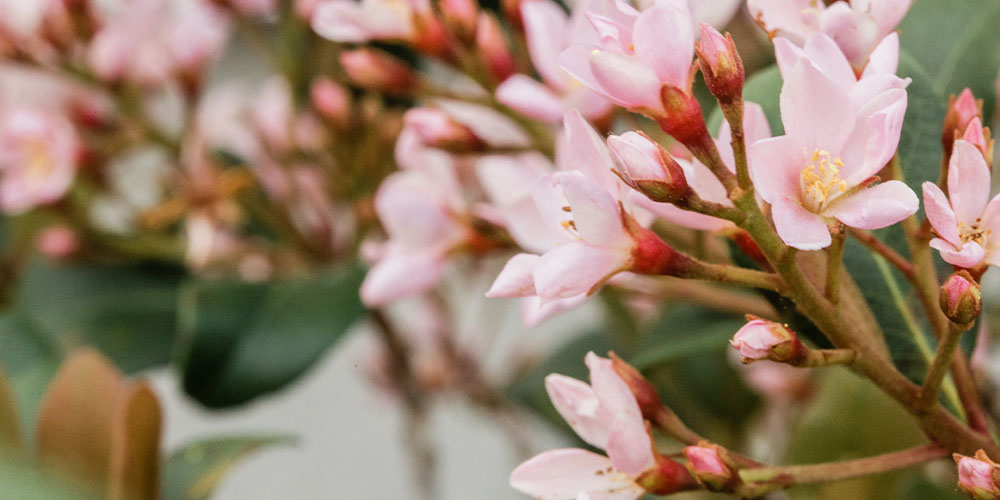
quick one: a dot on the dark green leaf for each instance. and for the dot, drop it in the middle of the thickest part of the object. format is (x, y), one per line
(241, 340)
(30, 361)
(975, 61)
(934, 32)
(920, 141)
(194, 471)
(128, 313)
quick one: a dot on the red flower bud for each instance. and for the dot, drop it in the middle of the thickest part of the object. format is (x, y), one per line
(667, 477)
(377, 70)
(438, 130)
(960, 298)
(721, 65)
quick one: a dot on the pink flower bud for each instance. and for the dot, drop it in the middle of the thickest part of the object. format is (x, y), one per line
(667, 477)
(438, 130)
(960, 298)
(979, 136)
(720, 64)
(761, 339)
(58, 242)
(706, 462)
(961, 112)
(331, 100)
(376, 70)
(492, 44)
(647, 168)
(978, 476)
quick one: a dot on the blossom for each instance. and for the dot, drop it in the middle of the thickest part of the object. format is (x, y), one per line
(821, 168)
(606, 415)
(38, 158)
(965, 220)
(549, 31)
(977, 476)
(761, 339)
(637, 55)
(856, 27)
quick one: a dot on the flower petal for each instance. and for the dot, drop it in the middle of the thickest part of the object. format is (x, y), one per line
(596, 214)
(531, 98)
(517, 278)
(625, 80)
(629, 445)
(968, 256)
(566, 473)
(940, 214)
(576, 268)
(884, 59)
(401, 272)
(776, 167)
(799, 227)
(579, 407)
(816, 110)
(968, 182)
(546, 28)
(584, 150)
(876, 207)
(664, 40)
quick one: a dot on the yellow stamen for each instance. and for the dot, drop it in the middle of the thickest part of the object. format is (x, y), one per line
(820, 180)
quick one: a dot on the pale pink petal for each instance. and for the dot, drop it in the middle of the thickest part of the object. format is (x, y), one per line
(575, 61)
(508, 178)
(940, 214)
(799, 227)
(531, 98)
(664, 40)
(349, 21)
(566, 473)
(776, 167)
(885, 58)
(613, 393)
(534, 310)
(969, 255)
(875, 207)
(579, 407)
(629, 445)
(639, 157)
(853, 30)
(596, 214)
(489, 125)
(888, 13)
(401, 273)
(968, 182)
(584, 150)
(679, 216)
(413, 211)
(871, 87)
(625, 80)
(530, 229)
(825, 54)
(516, 278)
(755, 128)
(577, 268)
(815, 110)
(876, 137)
(787, 54)
(546, 28)
(781, 15)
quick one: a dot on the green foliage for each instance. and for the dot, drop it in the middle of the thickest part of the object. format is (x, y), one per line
(194, 471)
(241, 340)
(22, 481)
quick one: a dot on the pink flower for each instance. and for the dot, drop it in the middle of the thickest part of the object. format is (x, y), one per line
(606, 415)
(760, 339)
(38, 158)
(148, 42)
(824, 54)
(965, 221)
(357, 22)
(638, 53)
(821, 168)
(22, 20)
(976, 476)
(857, 27)
(549, 31)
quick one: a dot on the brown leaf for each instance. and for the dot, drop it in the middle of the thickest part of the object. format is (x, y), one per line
(75, 417)
(135, 446)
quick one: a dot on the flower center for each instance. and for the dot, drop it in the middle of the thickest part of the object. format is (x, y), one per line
(973, 233)
(38, 161)
(820, 180)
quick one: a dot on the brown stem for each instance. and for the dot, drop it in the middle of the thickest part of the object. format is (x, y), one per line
(833, 471)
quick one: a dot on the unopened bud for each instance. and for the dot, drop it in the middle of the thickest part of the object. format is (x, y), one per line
(978, 476)
(960, 298)
(376, 70)
(492, 45)
(721, 65)
(461, 17)
(331, 100)
(438, 130)
(649, 169)
(961, 111)
(667, 477)
(683, 119)
(761, 339)
(979, 136)
(708, 463)
(651, 255)
(644, 392)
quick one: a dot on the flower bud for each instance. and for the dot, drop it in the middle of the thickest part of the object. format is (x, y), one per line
(376, 70)
(707, 462)
(438, 130)
(492, 44)
(960, 298)
(721, 65)
(331, 100)
(961, 112)
(761, 339)
(461, 17)
(644, 392)
(651, 255)
(683, 119)
(649, 169)
(667, 477)
(978, 476)
(979, 136)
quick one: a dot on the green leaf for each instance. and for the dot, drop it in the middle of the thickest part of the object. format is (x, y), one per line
(22, 481)
(194, 471)
(920, 141)
(974, 62)
(128, 313)
(241, 340)
(934, 32)
(30, 361)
